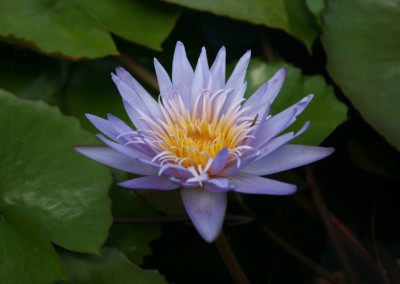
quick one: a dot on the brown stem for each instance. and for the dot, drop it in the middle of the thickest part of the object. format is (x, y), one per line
(378, 258)
(140, 71)
(230, 260)
(265, 45)
(326, 218)
(288, 248)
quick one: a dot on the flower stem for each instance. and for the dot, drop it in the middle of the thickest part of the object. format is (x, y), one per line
(230, 260)
(326, 218)
(288, 248)
(265, 45)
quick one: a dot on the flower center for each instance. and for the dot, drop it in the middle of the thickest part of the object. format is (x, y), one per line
(192, 137)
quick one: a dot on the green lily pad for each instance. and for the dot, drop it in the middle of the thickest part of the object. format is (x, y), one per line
(361, 39)
(112, 267)
(77, 30)
(325, 112)
(292, 16)
(55, 28)
(45, 179)
(316, 7)
(26, 254)
(144, 22)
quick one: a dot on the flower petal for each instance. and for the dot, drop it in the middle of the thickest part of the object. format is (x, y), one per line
(164, 82)
(182, 73)
(206, 210)
(265, 94)
(150, 182)
(279, 122)
(251, 184)
(218, 71)
(236, 80)
(277, 142)
(135, 94)
(128, 150)
(219, 161)
(103, 125)
(288, 157)
(200, 78)
(109, 157)
(218, 185)
(120, 126)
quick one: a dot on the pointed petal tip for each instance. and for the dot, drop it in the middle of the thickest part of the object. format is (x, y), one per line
(179, 45)
(119, 69)
(206, 210)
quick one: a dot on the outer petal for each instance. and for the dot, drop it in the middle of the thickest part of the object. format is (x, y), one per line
(218, 185)
(206, 210)
(164, 82)
(200, 78)
(288, 157)
(235, 81)
(218, 71)
(278, 142)
(103, 125)
(251, 184)
(120, 126)
(182, 73)
(134, 94)
(265, 94)
(131, 152)
(145, 98)
(150, 182)
(279, 122)
(112, 158)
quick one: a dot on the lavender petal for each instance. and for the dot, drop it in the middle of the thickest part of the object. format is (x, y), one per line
(109, 157)
(218, 71)
(150, 182)
(286, 158)
(206, 210)
(251, 184)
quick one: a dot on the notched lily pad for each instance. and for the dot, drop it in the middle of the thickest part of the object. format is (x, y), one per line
(45, 179)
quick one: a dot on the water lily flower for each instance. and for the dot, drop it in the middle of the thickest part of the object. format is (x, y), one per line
(203, 137)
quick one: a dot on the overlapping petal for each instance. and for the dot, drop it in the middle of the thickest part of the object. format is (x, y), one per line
(288, 157)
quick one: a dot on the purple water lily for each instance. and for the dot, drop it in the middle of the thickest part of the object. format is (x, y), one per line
(203, 137)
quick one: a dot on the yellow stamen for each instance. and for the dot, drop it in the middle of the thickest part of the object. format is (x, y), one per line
(191, 139)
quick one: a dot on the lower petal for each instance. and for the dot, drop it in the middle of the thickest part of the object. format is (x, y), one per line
(150, 182)
(251, 184)
(288, 157)
(114, 159)
(206, 210)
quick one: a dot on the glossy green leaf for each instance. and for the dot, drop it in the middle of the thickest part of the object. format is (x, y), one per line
(132, 239)
(324, 112)
(144, 22)
(44, 178)
(55, 28)
(316, 7)
(26, 254)
(112, 267)
(292, 16)
(361, 39)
